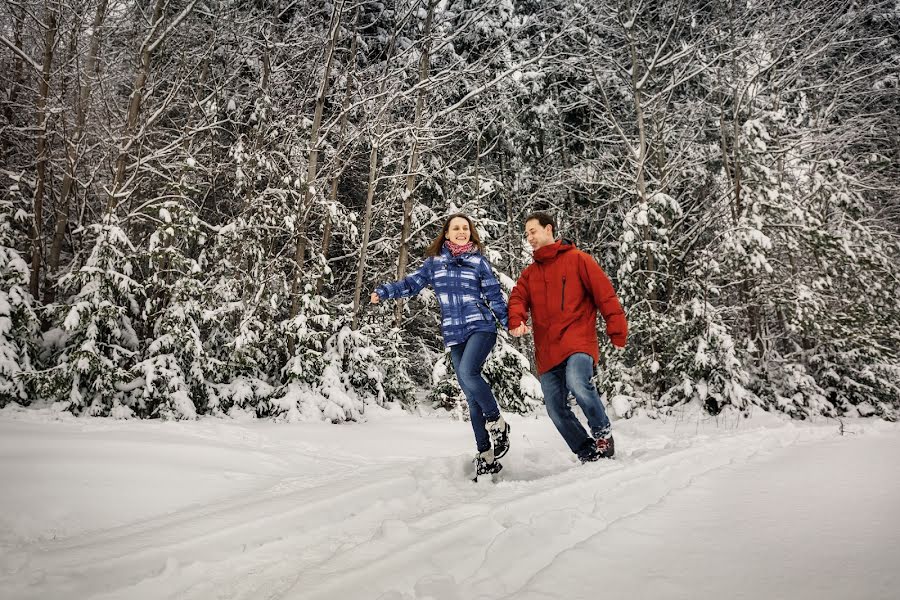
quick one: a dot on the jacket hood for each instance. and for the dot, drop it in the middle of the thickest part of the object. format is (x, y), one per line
(550, 251)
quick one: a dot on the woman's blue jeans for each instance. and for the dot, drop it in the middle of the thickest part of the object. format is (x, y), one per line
(574, 375)
(468, 359)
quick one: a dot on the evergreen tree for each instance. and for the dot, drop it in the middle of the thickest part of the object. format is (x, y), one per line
(95, 345)
(173, 373)
(445, 391)
(19, 327)
(397, 383)
(506, 371)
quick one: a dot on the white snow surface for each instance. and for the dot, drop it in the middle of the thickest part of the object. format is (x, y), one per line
(692, 507)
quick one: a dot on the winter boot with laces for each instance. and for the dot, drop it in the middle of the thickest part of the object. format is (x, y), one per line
(498, 429)
(486, 464)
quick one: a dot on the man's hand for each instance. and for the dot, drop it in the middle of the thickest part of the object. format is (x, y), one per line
(374, 298)
(521, 330)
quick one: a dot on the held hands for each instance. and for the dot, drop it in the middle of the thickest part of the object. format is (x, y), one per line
(374, 298)
(521, 330)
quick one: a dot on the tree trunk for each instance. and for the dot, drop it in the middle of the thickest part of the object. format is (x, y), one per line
(43, 115)
(306, 201)
(345, 105)
(134, 108)
(478, 168)
(512, 247)
(376, 140)
(640, 178)
(72, 148)
(364, 243)
(408, 200)
(153, 39)
(17, 78)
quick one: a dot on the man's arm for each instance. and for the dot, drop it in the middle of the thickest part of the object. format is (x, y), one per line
(594, 279)
(519, 306)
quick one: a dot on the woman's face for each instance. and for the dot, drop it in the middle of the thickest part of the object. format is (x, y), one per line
(458, 231)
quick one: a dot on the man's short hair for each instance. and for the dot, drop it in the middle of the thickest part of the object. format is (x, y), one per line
(543, 218)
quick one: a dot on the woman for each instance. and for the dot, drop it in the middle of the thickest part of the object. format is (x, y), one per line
(471, 307)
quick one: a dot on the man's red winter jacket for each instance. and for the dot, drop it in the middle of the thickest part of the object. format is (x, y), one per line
(563, 289)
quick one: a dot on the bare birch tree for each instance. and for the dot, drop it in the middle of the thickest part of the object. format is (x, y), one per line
(306, 202)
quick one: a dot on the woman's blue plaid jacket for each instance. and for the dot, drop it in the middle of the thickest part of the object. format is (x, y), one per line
(466, 289)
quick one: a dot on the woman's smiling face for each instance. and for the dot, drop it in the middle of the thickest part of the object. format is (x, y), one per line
(458, 231)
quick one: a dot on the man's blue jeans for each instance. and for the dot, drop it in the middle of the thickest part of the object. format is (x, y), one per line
(574, 375)
(468, 359)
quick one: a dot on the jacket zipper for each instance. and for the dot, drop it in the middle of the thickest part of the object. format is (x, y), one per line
(562, 305)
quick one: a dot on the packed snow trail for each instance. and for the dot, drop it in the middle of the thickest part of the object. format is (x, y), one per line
(379, 510)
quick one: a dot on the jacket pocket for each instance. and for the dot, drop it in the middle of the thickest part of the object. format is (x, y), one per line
(562, 304)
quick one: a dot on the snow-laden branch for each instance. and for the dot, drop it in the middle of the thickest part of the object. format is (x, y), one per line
(659, 49)
(477, 91)
(18, 51)
(612, 117)
(172, 26)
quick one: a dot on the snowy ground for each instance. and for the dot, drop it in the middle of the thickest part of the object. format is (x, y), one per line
(692, 508)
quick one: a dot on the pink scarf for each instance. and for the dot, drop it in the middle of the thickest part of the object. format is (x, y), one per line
(456, 249)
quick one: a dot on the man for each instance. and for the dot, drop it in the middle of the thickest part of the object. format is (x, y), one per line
(563, 289)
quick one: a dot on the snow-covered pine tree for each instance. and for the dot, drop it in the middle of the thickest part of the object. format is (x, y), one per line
(445, 391)
(508, 373)
(248, 301)
(250, 261)
(299, 396)
(680, 345)
(805, 237)
(94, 346)
(19, 327)
(172, 377)
(353, 373)
(855, 359)
(336, 370)
(397, 384)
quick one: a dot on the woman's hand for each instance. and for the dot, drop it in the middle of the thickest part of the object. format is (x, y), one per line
(374, 298)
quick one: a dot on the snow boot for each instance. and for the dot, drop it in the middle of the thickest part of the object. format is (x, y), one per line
(606, 446)
(588, 452)
(498, 429)
(594, 450)
(486, 464)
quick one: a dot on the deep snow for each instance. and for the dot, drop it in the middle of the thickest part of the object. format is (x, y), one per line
(692, 508)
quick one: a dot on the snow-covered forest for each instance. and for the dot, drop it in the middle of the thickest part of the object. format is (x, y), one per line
(198, 197)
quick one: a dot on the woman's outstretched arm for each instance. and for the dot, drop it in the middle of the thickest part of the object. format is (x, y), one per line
(409, 286)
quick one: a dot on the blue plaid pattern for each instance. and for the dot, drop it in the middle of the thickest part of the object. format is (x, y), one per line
(466, 289)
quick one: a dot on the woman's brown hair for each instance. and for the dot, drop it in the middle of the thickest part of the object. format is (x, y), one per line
(434, 248)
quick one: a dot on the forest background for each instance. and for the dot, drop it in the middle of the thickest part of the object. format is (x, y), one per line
(198, 196)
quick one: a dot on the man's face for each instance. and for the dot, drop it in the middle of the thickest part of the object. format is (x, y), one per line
(537, 236)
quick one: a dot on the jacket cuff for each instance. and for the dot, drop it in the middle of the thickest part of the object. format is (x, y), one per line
(618, 340)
